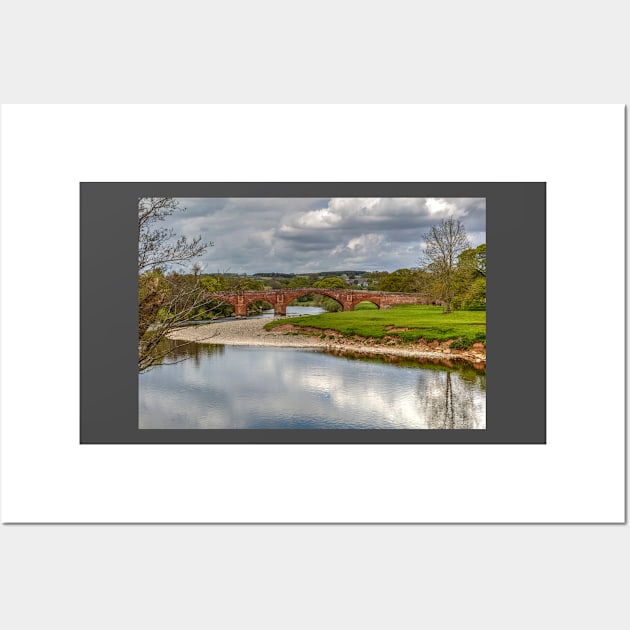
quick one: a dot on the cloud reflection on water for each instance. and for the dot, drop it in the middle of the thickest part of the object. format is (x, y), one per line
(241, 387)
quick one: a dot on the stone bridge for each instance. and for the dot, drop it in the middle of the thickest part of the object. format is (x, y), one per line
(280, 298)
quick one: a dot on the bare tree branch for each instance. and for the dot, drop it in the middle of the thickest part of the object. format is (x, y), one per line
(164, 301)
(443, 244)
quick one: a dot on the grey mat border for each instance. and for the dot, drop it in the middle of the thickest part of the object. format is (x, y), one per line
(516, 226)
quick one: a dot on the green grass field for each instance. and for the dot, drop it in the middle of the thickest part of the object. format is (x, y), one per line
(409, 323)
(365, 306)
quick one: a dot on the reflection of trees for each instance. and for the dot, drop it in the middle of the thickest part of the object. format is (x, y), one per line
(175, 351)
(257, 307)
(448, 399)
(474, 376)
(317, 299)
(449, 390)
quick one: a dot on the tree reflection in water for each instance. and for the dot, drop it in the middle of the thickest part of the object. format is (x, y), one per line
(449, 394)
(452, 398)
(179, 351)
(447, 400)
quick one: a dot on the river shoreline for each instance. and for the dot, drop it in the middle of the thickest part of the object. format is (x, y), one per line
(251, 332)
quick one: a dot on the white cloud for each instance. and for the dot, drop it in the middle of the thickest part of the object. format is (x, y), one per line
(308, 234)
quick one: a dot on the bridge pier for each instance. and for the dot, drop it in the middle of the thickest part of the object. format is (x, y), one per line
(240, 307)
(280, 304)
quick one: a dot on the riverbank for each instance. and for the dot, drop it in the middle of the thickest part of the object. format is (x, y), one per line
(251, 332)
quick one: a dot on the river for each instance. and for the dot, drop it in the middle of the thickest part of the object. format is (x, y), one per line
(292, 311)
(252, 387)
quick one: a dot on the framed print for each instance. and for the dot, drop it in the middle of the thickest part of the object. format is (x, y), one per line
(419, 376)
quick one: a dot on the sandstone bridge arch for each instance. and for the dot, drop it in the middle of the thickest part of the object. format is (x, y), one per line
(348, 299)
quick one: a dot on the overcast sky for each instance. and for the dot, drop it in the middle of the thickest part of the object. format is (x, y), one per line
(295, 235)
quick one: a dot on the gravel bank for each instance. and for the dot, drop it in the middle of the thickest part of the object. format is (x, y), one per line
(250, 332)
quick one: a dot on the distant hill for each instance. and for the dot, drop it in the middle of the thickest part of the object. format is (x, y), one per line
(274, 274)
(325, 274)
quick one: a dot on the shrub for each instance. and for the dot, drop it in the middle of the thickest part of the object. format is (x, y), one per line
(475, 297)
(461, 344)
(480, 336)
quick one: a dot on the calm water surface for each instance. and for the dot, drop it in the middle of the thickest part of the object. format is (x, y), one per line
(292, 311)
(248, 387)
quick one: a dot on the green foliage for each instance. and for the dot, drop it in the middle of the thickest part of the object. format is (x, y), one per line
(373, 279)
(328, 304)
(231, 282)
(332, 282)
(470, 280)
(461, 344)
(246, 284)
(475, 297)
(404, 281)
(317, 299)
(473, 260)
(258, 306)
(214, 283)
(299, 282)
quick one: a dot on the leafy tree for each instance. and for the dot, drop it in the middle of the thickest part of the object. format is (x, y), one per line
(405, 281)
(299, 282)
(273, 283)
(163, 300)
(470, 280)
(245, 284)
(473, 260)
(443, 244)
(327, 303)
(332, 282)
(214, 283)
(374, 278)
(474, 299)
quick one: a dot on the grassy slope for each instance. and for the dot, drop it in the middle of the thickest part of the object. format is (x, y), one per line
(427, 322)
